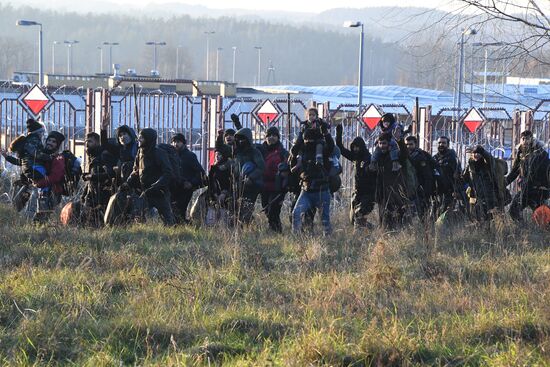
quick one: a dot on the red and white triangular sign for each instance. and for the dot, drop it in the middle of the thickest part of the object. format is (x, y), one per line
(36, 100)
(267, 112)
(473, 120)
(371, 117)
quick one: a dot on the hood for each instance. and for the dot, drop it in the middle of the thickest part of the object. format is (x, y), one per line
(127, 129)
(247, 133)
(150, 137)
(359, 142)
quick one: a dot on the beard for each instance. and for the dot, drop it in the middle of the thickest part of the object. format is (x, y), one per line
(442, 149)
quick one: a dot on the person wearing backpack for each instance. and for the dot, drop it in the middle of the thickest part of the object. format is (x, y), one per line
(483, 189)
(51, 186)
(192, 177)
(152, 175)
(273, 193)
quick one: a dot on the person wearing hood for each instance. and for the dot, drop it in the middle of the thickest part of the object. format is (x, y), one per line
(124, 147)
(388, 125)
(479, 174)
(274, 189)
(31, 155)
(362, 202)
(97, 177)
(192, 174)
(447, 174)
(221, 179)
(530, 166)
(424, 165)
(51, 186)
(152, 174)
(314, 180)
(250, 164)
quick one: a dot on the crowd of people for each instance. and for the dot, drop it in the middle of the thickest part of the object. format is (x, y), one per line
(131, 174)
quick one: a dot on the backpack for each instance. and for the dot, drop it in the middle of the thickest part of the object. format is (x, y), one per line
(73, 173)
(174, 158)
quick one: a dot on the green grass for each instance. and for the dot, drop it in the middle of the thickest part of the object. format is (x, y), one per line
(148, 295)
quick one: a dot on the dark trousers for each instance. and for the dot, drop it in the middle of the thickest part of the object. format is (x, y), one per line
(162, 203)
(47, 202)
(272, 202)
(529, 198)
(181, 201)
(247, 201)
(362, 205)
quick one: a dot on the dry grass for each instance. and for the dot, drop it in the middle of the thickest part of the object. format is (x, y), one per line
(183, 296)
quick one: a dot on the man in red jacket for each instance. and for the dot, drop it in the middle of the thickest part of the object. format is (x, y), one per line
(51, 186)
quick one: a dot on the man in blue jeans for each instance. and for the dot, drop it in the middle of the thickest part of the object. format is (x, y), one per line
(314, 179)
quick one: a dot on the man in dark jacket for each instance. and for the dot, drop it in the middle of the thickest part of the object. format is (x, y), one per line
(391, 190)
(483, 190)
(98, 178)
(273, 193)
(530, 165)
(362, 202)
(424, 165)
(448, 172)
(250, 164)
(192, 174)
(314, 179)
(152, 174)
(124, 147)
(227, 136)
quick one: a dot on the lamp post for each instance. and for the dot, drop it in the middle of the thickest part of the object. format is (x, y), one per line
(218, 50)
(485, 45)
(53, 55)
(358, 24)
(27, 23)
(70, 55)
(234, 61)
(100, 59)
(259, 79)
(465, 32)
(110, 44)
(208, 33)
(155, 44)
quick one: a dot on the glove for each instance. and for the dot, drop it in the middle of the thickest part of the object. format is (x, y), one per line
(234, 118)
(339, 129)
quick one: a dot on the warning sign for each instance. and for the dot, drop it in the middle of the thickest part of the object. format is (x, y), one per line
(473, 120)
(371, 117)
(267, 112)
(35, 100)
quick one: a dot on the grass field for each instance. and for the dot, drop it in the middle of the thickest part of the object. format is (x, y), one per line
(183, 296)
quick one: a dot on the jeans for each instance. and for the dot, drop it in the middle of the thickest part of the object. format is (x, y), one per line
(307, 201)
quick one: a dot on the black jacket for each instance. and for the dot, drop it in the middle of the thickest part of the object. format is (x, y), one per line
(480, 176)
(100, 165)
(448, 168)
(152, 168)
(191, 169)
(365, 180)
(531, 166)
(314, 177)
(424, 165)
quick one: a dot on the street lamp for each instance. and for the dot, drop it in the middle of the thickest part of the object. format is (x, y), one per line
(218, 50)
(27, 23)
(100, 59)
(259, 79)
(208, 33)
(53, 55)
(357, 24)
(155, 44)
(234, 61)
(485, 45)
(465, 32)
(110, 44)
(70, 55)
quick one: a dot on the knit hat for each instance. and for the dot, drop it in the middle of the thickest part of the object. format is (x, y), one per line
(229, 132)
(224, 150)
(179, 137)
(59, 138)
(33, 125)
(273, 131)
(388, 117)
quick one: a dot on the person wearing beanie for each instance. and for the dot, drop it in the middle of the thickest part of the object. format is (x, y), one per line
(193, 176)
(221, 181)
(227, 136)
(273, 193)
(51, 186)
(531, 166)
(32, 156)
